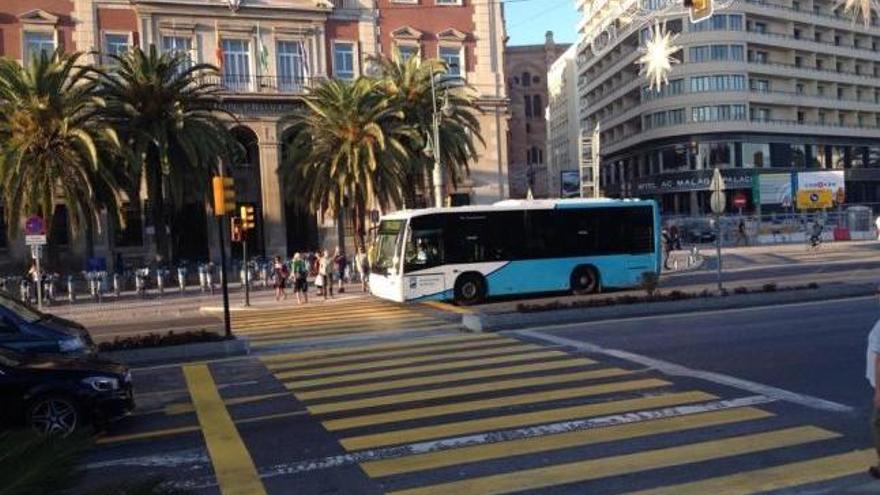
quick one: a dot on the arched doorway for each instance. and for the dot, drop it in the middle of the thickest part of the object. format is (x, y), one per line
(301, 222)
(248, 189)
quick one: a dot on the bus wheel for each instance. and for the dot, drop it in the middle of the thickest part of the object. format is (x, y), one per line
(584, 280)
(470, 289)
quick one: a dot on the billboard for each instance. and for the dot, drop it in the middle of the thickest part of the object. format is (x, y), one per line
(775, 189)
(818, 190)
(570, 184)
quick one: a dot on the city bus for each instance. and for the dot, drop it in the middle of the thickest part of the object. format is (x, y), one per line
(470, 253)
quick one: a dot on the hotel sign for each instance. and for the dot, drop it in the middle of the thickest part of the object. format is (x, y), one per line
(697, 180)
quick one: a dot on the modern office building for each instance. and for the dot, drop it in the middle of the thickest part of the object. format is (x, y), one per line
(563, 130)
(526, 67)
(304, 42)
(763, 87)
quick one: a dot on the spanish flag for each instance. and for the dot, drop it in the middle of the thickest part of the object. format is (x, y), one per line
(218, 52)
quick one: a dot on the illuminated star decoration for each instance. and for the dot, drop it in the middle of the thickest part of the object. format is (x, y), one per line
(859, 9)
(657, 59)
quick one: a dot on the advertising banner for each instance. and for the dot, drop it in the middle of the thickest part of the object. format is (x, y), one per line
(814, 199)
(697, 180)
(570, 184)
(775, 189)
(818, 190)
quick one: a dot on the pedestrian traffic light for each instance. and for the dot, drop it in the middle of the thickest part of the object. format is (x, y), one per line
(224, 195)
(236, 229)
(699, 9)
(247, 218)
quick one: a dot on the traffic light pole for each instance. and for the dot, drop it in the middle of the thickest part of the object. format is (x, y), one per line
(227, 324)
(247, 285)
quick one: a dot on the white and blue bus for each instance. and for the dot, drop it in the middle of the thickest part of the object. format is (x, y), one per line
(467, 254)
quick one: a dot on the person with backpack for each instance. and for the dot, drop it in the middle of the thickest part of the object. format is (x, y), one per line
(280, 274)
(300, 269)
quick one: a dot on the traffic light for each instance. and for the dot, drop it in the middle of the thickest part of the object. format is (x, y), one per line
(247, 218)
(236, 229)
(699, 9)
(224, 195)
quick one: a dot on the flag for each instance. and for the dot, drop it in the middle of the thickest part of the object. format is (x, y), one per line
(218, 53)
(262, 51)
(305, 61)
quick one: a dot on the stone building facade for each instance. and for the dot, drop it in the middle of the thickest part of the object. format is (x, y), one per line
(305, 41)
(526, 68)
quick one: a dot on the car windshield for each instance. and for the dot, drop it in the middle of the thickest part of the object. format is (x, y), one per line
(24, 311)
(387, 246)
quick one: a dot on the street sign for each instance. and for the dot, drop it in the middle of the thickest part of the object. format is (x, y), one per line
(718, 200)
(35, 240)
(35, 225)
(740, 200)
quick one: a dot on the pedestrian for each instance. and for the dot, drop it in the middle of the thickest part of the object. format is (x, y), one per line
(300, 271)
(667, 247)
(871, 373)
(325, 272)
(741, 235)
(877, 224)
(280, 274)
(340, 264)
(362, 263)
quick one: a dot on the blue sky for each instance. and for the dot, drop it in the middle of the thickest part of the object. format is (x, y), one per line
(528, 20)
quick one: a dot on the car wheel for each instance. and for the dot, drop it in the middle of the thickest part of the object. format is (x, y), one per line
(584, 280)
(53, 415)
(470, 289)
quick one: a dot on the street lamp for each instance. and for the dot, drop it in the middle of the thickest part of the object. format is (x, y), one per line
(433, 145)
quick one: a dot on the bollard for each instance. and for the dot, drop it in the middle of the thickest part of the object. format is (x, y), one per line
(49, 287)
(181, 278)
(140, 281)
(203, 278)
(24, 291)
(209, 277)
(117, 285)
(264, 275)
(71, 293)
(160, 280)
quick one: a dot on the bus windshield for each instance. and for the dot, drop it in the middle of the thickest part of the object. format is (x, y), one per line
(387, 246)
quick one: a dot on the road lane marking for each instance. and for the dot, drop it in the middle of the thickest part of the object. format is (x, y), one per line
(143, 435)
(439, 379)
(673, 369)
(445, 349)
(264, 330)
(494, 403)
(426, 342)
(351, 337)
(777, 477)
(594, 469)
(285, 336)
(186, 407)
(513, 348)
(503, 422)
(533, 445)
(534, 354)
(459, 390)
(233, 466)
(448, 308)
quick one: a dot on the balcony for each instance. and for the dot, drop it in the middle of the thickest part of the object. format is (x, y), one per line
(263, 85)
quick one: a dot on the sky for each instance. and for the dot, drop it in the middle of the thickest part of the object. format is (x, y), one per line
(528, 20)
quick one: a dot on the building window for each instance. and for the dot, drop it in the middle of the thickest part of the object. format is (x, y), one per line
(718, 113)
(407, 52)
(762, 85)
(37, 42)
(760, 114)
(526, 79)
(179, 44)
(237, 64)
(737, 52)
(343, 60)
(537, 106)
(291, 65)
(452, 57)
(115, 44)
(528, 106)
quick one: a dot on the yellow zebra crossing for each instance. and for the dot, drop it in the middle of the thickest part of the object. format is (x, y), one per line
(332, 320)
(446, 405)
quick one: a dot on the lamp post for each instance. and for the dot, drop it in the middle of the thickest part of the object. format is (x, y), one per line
(433, 148)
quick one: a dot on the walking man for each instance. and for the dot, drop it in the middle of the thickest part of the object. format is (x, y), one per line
(363, 267)
(340, 263)
(873, 366)
(325, 271)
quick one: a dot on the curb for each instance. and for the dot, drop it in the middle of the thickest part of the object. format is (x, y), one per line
(186, 352)
(483, 322)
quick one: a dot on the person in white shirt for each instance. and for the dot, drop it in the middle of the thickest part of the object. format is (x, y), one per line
(877, 224)
(871, 373)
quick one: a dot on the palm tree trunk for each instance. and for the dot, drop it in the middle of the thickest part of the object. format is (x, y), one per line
(157, 203)
(360, 218)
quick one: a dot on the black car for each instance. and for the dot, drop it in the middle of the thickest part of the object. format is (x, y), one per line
(56, 394)
(25, 328)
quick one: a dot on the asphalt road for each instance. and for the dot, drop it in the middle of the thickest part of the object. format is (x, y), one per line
(734, 402)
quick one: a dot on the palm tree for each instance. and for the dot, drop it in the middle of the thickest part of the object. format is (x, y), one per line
(347, 151)
(171, 122)
(408, 84)
(53, 141)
